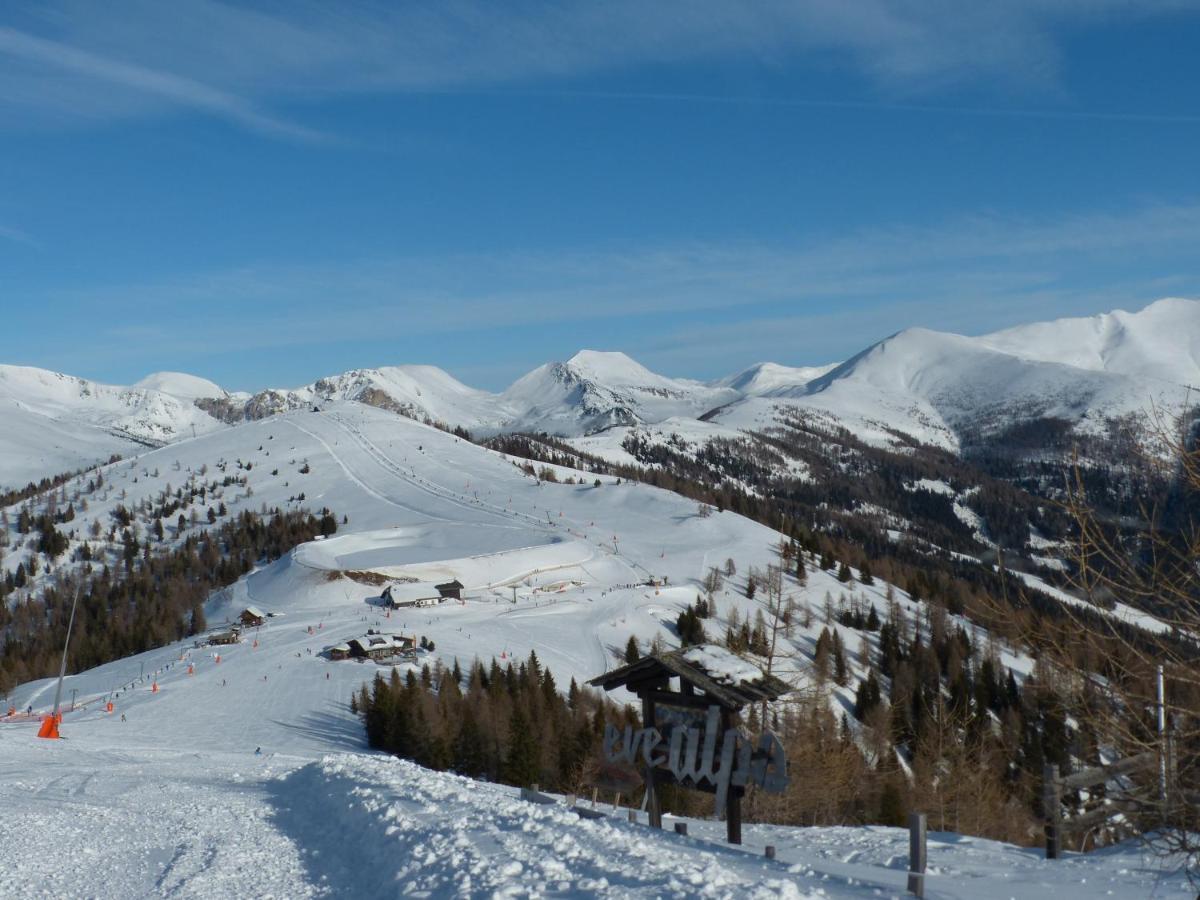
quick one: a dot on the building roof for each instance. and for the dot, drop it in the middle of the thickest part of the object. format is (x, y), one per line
(254, 611)
(376, 641)
(728, 679)
(454, 585)
(410, 591)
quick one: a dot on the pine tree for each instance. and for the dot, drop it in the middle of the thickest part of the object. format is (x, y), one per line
(521, 765)
(632, 653)
(840, 674)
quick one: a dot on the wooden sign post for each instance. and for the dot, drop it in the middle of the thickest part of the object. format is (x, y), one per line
(689, 735)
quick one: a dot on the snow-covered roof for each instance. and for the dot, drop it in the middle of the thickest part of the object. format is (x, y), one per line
(368, 641)
(420, 590)
(723, 666)
(255, 611)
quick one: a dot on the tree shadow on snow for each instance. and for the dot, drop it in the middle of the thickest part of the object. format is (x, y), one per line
(332, 730)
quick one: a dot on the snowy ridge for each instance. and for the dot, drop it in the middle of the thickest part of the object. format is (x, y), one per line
(934, 387)
(52, 423)
(1161, 341)
(939, 387)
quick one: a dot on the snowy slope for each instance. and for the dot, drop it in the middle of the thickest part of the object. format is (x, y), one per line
(122, 819)
(768, 378)
(1161, 341)
(172, 801)
(938, 387)
(47, 418)
(419, 392)
(180, 384)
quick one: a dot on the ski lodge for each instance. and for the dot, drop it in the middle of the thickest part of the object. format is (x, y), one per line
(373, 645)
(232, 636)
(399, 596)
(252, 617)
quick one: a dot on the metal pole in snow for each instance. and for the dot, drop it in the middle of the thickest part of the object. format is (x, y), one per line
(1162, 740)
(916, 854)
(62, 669)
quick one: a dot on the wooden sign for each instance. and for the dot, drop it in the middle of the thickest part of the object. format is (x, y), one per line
(700, 754)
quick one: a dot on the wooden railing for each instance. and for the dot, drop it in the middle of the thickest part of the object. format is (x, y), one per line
(1055, 785)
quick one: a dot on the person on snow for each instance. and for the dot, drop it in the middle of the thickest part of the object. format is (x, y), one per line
(258, 751)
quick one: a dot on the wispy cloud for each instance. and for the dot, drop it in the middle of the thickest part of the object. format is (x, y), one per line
(17, 236)
(712, 305)
(71, 59)
(174, 89)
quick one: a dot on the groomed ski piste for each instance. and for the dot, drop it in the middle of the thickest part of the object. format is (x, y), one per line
(166, 795)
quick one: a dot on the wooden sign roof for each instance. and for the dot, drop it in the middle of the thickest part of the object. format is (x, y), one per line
(727, 679)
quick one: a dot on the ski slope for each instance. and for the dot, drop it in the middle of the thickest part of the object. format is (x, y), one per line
(166, 797)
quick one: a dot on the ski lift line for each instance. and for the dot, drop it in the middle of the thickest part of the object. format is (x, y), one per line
(390, 465)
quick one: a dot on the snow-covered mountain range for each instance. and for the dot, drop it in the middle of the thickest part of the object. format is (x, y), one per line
(935, 387)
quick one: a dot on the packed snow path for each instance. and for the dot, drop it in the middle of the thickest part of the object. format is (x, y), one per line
(82, 820)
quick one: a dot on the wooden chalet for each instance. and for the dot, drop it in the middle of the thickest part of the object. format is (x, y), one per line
(677, 689)
(375, 645)
(252, 617)
(232, 636)
(451, 590)
(414, 594)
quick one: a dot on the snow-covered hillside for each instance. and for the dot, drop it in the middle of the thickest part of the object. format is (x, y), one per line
(419, 392)
(1161, 341)
(165, 794)
(52, 423)
(941, 388)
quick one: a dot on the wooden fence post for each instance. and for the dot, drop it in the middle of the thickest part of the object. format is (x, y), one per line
(1052, 810)
(916, 854)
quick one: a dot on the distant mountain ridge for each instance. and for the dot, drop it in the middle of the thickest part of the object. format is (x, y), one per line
(933, 387)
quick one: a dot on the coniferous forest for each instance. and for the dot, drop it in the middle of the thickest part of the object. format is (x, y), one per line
(153, 597)
(511, 724)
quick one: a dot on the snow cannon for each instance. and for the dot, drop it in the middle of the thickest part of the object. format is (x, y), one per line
(154, 687)
(49, 727)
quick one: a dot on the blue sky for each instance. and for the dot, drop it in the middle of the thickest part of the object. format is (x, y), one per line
(263, 194)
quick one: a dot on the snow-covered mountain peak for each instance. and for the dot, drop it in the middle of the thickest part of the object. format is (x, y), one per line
(1161, 341)
(768, 378)
(180, 384)
(614, 368)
